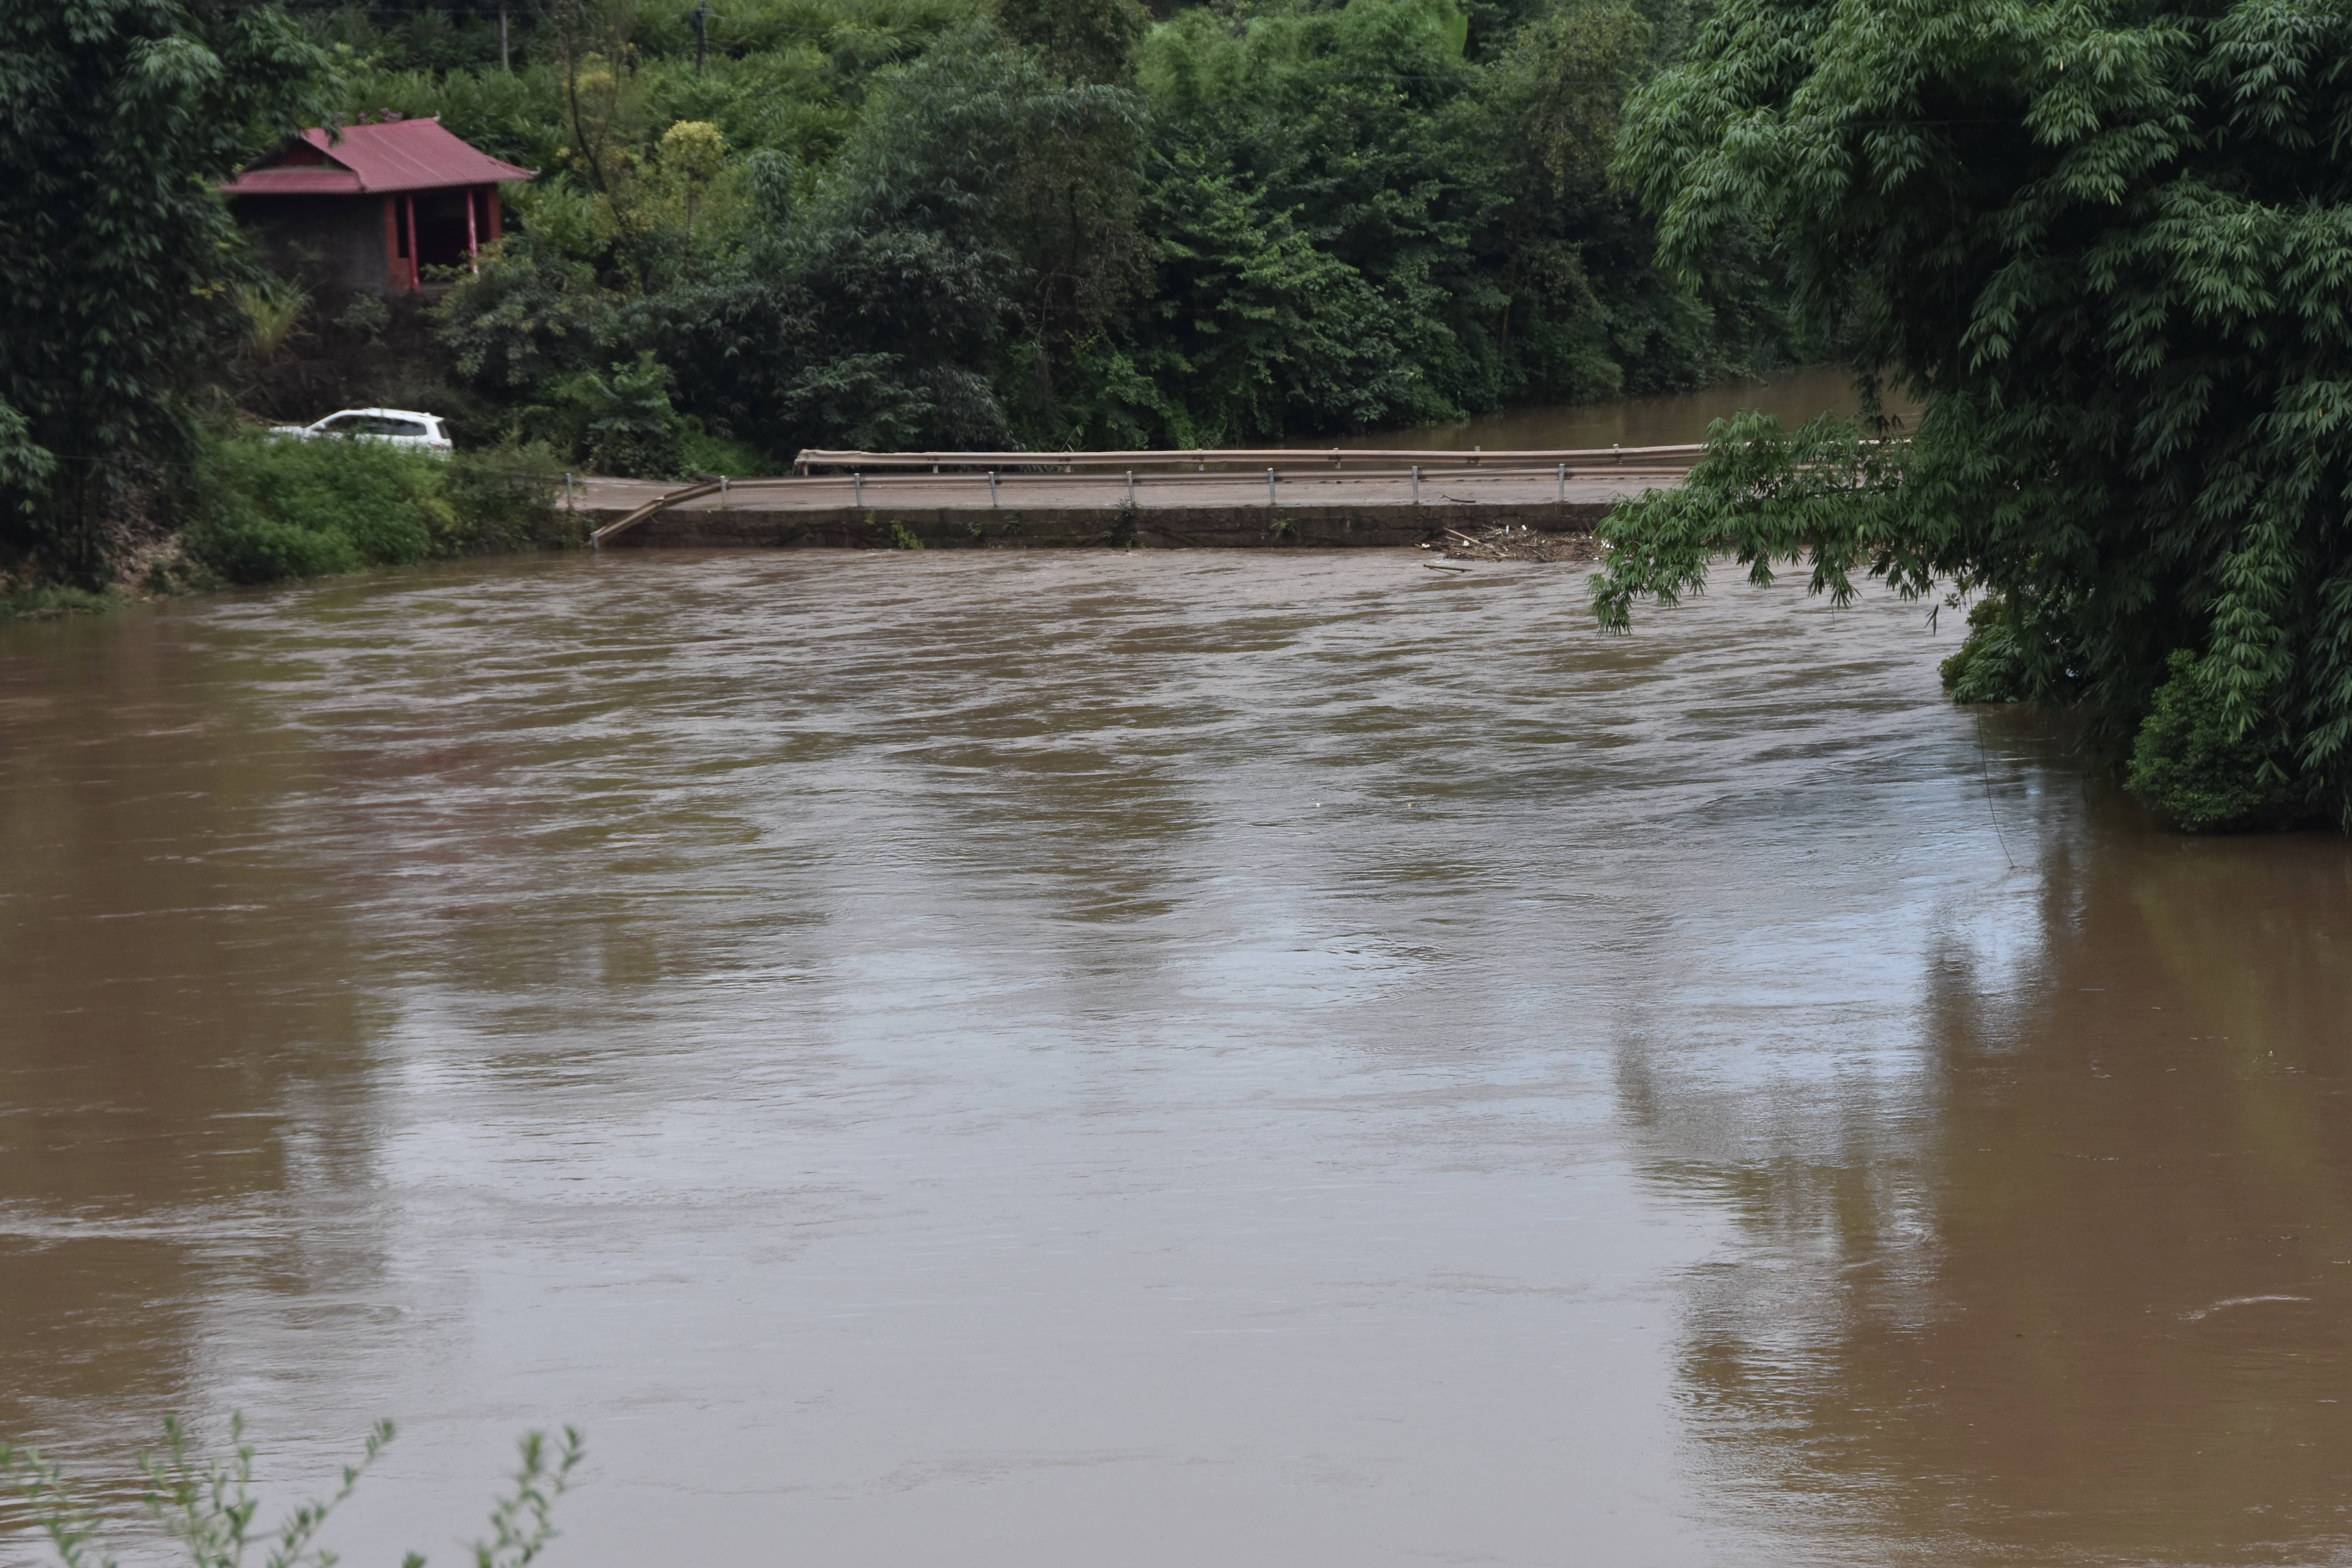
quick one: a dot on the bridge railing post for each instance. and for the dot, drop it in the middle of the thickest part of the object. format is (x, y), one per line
(857, 486)
(991, 487)
(1416, 484)
(1130, 487)
(1563, 484)
(1270, 488)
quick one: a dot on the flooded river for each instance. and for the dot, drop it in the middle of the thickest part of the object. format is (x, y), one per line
(1052, 1060)
(1669, 419)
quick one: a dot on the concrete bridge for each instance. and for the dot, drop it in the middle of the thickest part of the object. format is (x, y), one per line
(1227, 498)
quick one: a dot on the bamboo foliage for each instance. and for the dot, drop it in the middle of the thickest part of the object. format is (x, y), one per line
(2112, 255)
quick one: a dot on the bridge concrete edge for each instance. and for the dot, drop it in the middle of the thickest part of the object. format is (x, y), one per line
(1171, 528)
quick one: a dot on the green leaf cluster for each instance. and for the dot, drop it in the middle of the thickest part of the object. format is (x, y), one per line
(1992, 663)
(621, 420)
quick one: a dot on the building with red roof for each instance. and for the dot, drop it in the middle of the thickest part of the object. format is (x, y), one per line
(375, 205)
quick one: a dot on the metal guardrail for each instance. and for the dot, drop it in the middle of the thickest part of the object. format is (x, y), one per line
(814, 457)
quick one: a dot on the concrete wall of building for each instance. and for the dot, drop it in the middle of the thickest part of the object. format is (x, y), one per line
(337, 241)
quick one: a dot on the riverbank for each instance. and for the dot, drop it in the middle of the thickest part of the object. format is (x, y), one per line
(247, 510)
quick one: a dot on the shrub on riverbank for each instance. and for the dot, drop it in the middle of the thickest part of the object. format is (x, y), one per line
(267, 509)
(505, 500)
(264, 510)
(2192, 763)
(1992, 664)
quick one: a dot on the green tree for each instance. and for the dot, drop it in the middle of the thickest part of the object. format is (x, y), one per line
(1563, 83)
(2110, 251)
(1318, 183)
(118, 120)
(1028, 175)
(977, 228)
(1584, 314)
(1085, 40)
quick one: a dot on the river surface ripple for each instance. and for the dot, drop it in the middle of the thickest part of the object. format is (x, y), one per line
(1157, 1058)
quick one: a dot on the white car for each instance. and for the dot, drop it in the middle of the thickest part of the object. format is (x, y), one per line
(399, 427)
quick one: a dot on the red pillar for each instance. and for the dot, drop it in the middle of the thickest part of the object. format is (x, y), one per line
(497, 227)
(415, 277)
(391, 244)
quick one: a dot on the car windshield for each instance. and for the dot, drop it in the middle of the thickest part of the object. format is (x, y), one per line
(345, 423)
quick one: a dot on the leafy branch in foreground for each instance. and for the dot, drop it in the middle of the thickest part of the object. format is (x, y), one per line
(1826, 495)
(207, 1503)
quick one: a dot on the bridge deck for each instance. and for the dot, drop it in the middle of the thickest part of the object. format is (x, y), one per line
(1462, 487)
(1306, 504)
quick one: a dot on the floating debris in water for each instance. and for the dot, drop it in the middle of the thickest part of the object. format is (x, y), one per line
(1513, 541)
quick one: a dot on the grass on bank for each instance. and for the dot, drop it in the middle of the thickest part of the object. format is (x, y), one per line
(42, 601)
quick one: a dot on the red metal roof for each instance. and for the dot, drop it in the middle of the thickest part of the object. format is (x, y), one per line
(361, 160)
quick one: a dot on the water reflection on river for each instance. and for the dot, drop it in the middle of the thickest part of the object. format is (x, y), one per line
(1158, 1059)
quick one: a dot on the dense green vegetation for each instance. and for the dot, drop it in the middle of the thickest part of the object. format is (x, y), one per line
(116, 119)
(2110, 249)
(135, 318)
(1053, 222)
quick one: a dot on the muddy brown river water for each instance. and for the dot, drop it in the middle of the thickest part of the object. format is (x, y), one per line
(1156, 1059)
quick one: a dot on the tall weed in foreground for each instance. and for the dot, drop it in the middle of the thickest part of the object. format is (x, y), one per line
(207, 1503)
